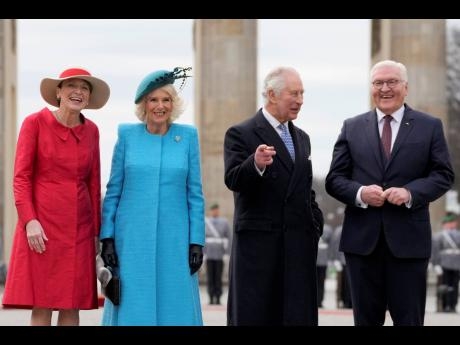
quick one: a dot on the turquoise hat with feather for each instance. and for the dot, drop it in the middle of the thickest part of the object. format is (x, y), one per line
(160, 78)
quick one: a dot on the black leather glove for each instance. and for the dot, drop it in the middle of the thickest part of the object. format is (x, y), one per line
(195, 257)
(108, 253)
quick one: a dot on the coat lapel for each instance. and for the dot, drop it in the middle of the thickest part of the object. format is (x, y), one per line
(373, 137)
(404, 129)
(63, 132)
(301, 159)
(269, 136)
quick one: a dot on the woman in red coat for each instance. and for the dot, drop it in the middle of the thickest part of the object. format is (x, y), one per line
(57, 190)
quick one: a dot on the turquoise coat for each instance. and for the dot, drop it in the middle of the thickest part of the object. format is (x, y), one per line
(154, 209)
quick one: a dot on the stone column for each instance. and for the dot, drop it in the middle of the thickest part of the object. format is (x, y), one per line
(8, 115)
(225, 76)
(453, 106)
(420, 44)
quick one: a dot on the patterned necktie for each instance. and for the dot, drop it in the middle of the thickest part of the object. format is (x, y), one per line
(286, 137)
(386, 136)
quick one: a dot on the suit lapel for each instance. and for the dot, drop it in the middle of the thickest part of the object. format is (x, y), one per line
(373, 137)
(270, 137)
(404, 129)
(301, 158)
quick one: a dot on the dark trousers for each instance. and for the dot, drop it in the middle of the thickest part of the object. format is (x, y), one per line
(214, 276)
(450, 278)
(345, 294)
(321, 278)
(381, 281)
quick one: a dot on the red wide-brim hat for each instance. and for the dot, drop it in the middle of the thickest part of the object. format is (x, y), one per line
(100, 89)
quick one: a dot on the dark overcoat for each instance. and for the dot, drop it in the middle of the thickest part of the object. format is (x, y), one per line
(277, 224)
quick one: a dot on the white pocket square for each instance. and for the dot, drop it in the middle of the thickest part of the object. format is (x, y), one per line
(309, 158)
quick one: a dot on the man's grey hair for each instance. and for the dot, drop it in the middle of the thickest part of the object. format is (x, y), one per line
(390, 63)
(275, 81)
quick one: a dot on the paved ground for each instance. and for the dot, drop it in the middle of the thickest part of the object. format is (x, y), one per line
(214, 315)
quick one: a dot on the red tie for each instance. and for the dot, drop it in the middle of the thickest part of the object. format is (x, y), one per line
(386, 136)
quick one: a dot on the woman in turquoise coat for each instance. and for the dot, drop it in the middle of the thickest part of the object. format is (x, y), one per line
(153, 212)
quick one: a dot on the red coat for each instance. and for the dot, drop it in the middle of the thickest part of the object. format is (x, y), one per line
(57, 181)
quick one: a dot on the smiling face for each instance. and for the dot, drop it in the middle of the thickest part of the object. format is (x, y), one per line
(388, 99)
(74, 94)
(158, 108)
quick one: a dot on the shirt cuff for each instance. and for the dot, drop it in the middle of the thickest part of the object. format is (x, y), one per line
(261, 172)
(358, 201)
(409, 203)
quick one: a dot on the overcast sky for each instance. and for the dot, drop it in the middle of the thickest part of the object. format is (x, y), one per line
(332, 57)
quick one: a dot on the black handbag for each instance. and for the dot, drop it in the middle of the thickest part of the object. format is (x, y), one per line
(113, 289)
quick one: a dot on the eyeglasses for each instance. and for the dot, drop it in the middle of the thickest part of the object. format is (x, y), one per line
(391, 83)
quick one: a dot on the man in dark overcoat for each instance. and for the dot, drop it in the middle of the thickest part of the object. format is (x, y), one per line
(277, 222)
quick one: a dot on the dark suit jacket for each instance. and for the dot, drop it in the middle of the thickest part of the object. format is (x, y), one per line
(277, 225)
(419, 162)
